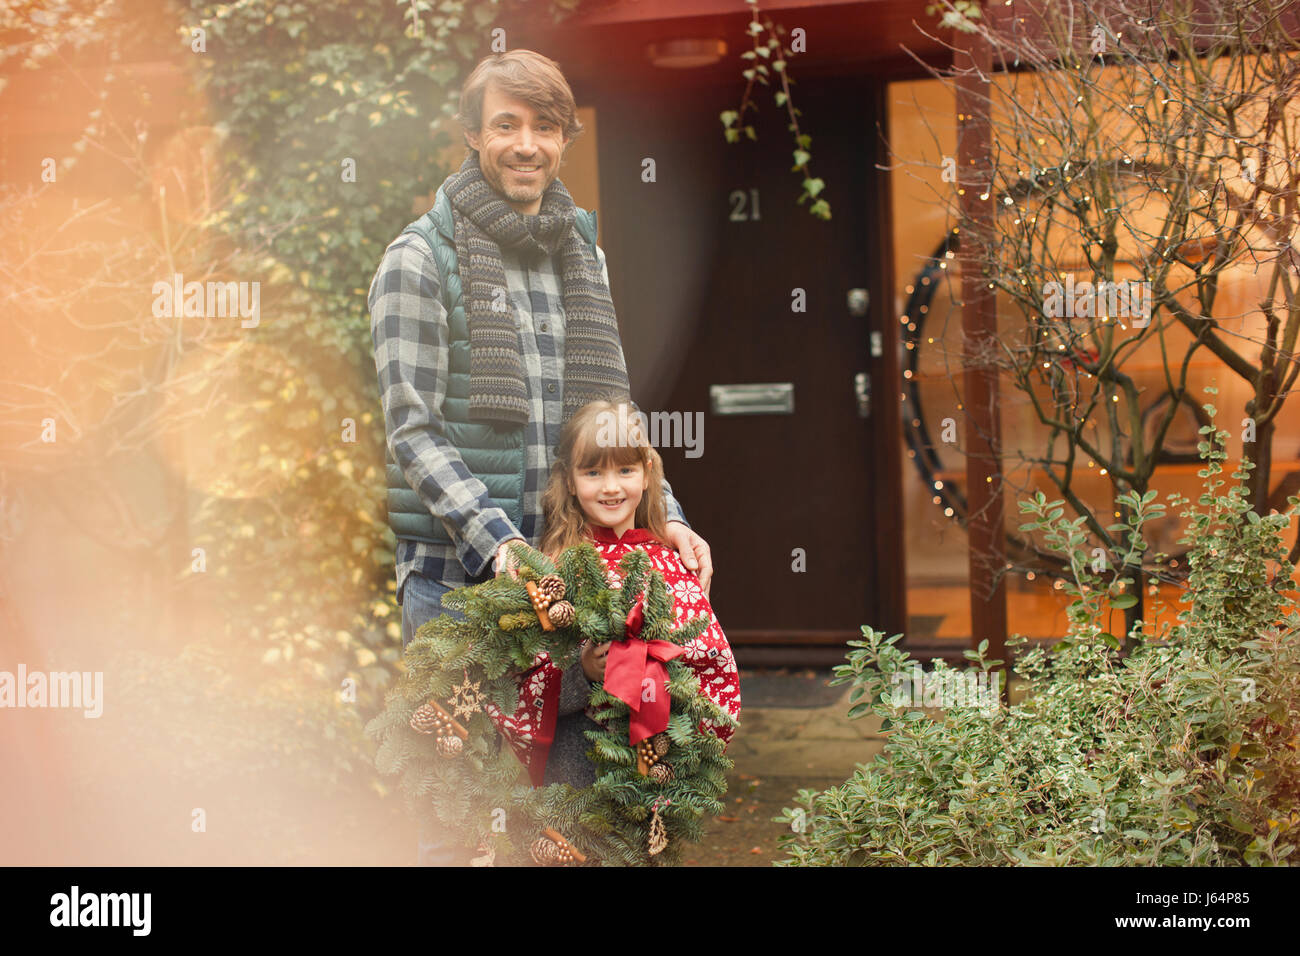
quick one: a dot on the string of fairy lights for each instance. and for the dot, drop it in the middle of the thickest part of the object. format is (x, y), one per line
(1024, 557)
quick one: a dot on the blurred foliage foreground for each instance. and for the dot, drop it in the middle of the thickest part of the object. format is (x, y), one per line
(236, 461)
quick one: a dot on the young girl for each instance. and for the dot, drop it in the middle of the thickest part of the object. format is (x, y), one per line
(606, 487)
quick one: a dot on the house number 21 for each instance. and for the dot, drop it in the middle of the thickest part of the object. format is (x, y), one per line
(737, 198)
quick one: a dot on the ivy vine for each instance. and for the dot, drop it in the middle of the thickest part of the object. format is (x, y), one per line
(957, 14)
(774, 51)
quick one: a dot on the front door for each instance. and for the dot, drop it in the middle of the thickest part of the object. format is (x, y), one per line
(721, 281)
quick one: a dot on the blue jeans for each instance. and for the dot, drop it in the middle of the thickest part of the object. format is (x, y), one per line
(421, 601)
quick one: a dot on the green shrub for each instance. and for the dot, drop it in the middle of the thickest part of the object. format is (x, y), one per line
(1182, 751)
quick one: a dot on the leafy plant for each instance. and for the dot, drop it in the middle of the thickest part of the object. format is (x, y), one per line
(775, 52)
(957, 15)
(1182, 751)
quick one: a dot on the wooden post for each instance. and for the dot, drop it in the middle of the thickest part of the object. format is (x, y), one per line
(886, 423)
(973, 61)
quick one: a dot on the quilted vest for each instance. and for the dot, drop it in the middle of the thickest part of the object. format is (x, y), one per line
(494, 454)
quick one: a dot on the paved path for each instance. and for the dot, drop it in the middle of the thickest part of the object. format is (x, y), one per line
(779, 751)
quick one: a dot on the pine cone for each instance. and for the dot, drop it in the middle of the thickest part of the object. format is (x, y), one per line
(662, 773)
(426, 719)
(545, 851)
(561, 614)
(552, 585)
(450, 747)
(661, 743)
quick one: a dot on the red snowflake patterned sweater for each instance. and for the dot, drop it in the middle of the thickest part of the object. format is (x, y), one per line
(531, 727)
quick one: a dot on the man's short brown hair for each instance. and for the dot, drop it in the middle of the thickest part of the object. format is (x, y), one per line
(533, 78)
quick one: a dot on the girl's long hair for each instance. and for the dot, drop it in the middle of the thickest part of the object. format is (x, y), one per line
(586, 442)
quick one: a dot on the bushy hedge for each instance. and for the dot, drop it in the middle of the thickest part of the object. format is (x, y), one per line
(1178, 746)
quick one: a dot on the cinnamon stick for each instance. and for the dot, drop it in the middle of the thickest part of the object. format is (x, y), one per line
(541, 611)
(555, 836)
(461, 732)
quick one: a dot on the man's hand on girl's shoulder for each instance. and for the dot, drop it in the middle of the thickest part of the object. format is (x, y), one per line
(694, 551)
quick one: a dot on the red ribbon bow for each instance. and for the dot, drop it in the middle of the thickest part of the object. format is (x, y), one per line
(636, 674)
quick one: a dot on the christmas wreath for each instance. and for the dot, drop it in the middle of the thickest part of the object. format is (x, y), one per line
(449, 728)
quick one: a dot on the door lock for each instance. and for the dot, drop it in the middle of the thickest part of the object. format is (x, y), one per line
(859, 302)
(862, 391)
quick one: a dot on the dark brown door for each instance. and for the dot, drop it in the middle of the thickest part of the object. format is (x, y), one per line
(705, 264)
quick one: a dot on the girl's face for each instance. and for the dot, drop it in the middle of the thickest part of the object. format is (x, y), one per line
(609, 493)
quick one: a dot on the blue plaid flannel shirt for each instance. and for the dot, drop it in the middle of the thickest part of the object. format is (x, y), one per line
(408, 325)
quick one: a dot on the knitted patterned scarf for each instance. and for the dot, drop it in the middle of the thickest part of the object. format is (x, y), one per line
(484, 225)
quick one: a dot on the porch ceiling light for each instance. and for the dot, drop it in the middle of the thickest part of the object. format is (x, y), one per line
(686, 53)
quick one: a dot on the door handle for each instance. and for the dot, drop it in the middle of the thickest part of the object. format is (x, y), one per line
(859, 301)
(862, 392)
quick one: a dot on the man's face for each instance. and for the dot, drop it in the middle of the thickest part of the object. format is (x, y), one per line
(519, 150)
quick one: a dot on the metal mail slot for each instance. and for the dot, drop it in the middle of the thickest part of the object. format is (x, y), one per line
(772, 398)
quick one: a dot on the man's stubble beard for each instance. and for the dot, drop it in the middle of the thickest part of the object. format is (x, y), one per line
(520, 195)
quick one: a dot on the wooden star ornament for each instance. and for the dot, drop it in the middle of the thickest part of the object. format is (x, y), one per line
(465, 698)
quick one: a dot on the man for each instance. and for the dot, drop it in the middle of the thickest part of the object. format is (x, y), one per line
(492, 322)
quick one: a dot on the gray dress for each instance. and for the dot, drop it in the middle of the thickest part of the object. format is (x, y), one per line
(567, 762)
